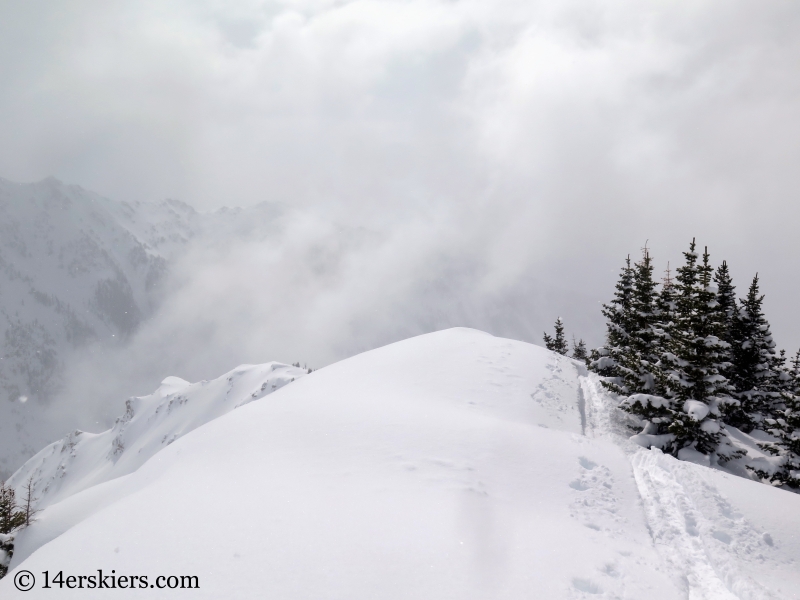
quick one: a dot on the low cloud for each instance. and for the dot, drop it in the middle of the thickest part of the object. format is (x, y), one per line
(489, 164)
(314, 292)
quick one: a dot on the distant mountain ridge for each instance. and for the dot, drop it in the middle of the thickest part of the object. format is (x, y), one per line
(149, 423)
(75, 269)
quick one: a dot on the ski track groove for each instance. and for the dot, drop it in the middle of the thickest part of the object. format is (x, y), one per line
(700, 538)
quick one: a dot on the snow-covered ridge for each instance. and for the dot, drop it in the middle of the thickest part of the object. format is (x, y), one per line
(454, 465)
(150, 423)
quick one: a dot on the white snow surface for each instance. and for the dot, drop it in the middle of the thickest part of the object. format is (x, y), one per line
(451, 465)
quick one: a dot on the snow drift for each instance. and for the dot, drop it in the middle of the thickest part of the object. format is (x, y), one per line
(451, 465)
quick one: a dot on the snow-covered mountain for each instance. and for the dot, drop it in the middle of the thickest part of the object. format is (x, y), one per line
(451, 465)
(149, 424)
(74, 268)
(77, 269)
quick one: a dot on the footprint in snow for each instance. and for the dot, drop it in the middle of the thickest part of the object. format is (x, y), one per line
(586, 586)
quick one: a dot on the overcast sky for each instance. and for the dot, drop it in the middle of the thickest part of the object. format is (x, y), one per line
(520, 148)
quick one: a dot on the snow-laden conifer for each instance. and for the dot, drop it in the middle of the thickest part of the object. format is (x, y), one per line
(784, 382)
(666, 308)
(693, 363)
(727, 307)
(11, 519)
(618, 314)
(640, 363)
(783, 424)
(786, 428)
(726, 299)
(636, 360)
(579, 350)
(645, 342)
(674, 359)
(754, 373)
(794, 374)
(557, 343)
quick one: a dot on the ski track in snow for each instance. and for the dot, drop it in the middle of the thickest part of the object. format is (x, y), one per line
(701, 535)
(703, 541)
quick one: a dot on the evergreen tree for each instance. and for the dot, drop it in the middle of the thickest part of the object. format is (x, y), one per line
(695, 360)
(640, 363)
(783, 424)
(726, 300)
(679, 299)
(726, 306)
(579, 350)
(11, 517)
(6, 553)
(618, 314)
(781, 419)
(559, 342)
(636, 360)
(666, 309)
(690, 358)
(794, 374)
(754, 373)
(783, 383)
(645, 342)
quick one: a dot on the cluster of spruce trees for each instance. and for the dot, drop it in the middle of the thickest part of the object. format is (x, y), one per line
(691, 361)
(558, 343)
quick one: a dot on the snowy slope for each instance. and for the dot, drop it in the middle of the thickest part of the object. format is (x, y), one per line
(452, 465)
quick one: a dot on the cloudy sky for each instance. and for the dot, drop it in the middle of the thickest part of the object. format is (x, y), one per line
(508, 154)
